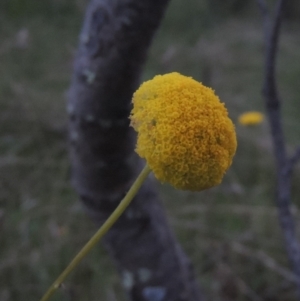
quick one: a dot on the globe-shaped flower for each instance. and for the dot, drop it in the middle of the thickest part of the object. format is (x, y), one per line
(251, 118)
(184, 131)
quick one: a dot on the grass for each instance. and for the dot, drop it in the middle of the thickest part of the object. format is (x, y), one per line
(231, 232)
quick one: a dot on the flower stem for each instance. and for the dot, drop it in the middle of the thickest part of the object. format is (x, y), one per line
(100, 233)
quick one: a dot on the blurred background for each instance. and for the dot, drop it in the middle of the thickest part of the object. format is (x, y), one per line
(230, 232)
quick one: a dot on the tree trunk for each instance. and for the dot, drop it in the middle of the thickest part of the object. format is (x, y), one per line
(112, 50)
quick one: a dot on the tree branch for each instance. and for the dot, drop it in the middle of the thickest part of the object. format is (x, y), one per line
(273, 109)
(264, 9)
(113, 45)
(292, 162)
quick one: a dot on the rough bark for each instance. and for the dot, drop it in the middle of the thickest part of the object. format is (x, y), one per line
(112, 50)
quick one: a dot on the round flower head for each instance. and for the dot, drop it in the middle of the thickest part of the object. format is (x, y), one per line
(184, 131)
(251, 118)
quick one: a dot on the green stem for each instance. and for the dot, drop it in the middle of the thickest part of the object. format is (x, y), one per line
(100, 233)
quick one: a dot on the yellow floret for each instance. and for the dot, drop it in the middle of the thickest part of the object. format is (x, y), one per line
(251, 118)
(184, 131)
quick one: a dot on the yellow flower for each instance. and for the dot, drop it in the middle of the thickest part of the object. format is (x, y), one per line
(251, 118)
(184, 131)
